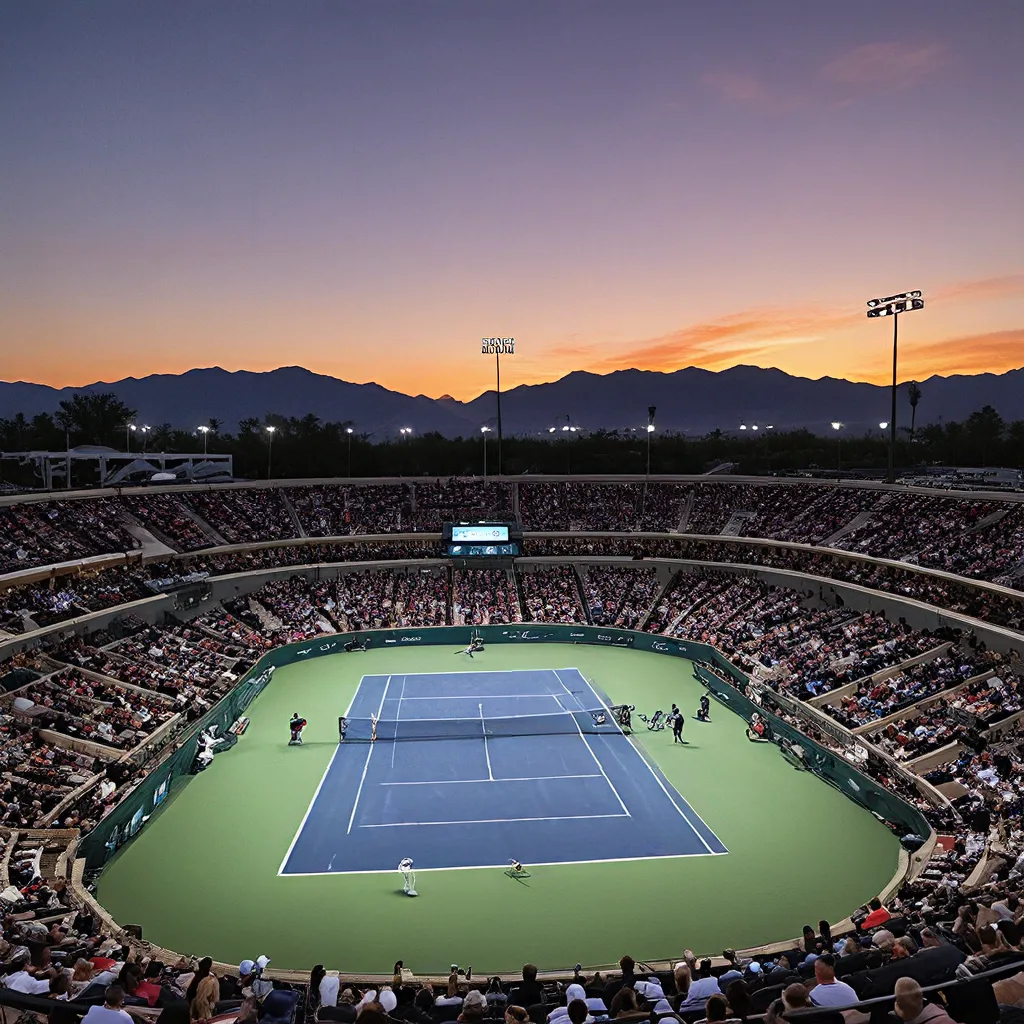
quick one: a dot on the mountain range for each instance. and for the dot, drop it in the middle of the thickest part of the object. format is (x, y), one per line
(689, 400)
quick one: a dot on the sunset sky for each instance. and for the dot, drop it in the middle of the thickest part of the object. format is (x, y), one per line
(367, 188)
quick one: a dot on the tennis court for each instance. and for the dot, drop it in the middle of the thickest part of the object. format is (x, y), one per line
(472, 768)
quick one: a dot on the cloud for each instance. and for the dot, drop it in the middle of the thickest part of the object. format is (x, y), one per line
(715, 344)
(886, 67)
(994, 352)
(1008, 286)
(748, 90)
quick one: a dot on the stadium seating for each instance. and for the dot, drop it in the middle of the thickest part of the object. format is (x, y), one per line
(937, 710)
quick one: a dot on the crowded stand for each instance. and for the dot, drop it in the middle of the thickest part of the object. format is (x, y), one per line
(456, 499)
(783, 637)
(980, 704)
(994, 552)
(805, 514)
(619, 596)
(337, 510)
(381, 599)
(35, 606)
(903, 524)
(37, 776)
(179, 662)
(652, 507)
(484, 596)
(49, 532)
(92, 709)
(169, 517)
(990, 606)
(245, 516)
(879, 698)
(551, 593)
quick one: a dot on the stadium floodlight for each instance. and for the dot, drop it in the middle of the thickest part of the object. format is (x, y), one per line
(837, 427)
(349, 432)
(755, 427)
(551, 430)
(128, 428)
(270, 447)
(883, 424)
(205, 432)
(498, 347)
(743, 426)
(484, 431)
(893, 305)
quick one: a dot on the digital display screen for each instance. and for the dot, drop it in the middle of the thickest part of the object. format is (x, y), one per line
(479, 534)
(483, 550)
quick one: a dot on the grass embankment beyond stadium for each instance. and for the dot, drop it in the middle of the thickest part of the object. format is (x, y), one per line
(202, 876)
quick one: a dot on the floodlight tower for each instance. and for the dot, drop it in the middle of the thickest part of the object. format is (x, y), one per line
(498, 347)
(893, 305)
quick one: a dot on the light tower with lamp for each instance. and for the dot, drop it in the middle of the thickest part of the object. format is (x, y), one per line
(498, 347)
(484, 431)
(893, 305)
(837, 426)
(270, 447)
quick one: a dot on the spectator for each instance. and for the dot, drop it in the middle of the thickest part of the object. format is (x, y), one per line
(828, 991)
(910, 1005)
(528, 992)
(701, 988)
(112, 1011)
(203, 991)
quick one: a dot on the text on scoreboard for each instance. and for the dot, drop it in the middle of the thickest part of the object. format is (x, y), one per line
(480, 533)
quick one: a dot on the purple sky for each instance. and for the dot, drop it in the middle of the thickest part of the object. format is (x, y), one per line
(368, 188)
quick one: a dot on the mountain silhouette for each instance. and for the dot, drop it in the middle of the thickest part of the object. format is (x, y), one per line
(691, 400)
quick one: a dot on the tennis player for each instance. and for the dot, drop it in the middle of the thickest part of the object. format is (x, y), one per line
(373, 728)
(296, 725)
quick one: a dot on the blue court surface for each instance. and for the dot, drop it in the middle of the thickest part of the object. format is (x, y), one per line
(471, 769)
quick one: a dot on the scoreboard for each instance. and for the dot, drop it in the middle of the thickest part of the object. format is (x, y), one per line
(482, 541)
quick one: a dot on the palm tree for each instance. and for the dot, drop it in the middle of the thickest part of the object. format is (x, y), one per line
(914, 396)
(214, 424)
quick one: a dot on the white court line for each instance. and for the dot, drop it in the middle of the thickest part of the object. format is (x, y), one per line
(369, 754)
(319, 786)
(597, 760)
(647, 765)
(494, 867)
(481, 672)
(463, 782)
(494, 821)
(485, 696)
(398, 718)
(487, 752)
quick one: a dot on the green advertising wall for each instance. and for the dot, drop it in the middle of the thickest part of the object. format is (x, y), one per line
(722, 677)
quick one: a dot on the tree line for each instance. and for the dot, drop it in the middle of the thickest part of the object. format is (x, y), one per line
(309, 447)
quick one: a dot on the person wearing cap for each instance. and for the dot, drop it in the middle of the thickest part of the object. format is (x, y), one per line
(387, 998)
(253, 983)
(296, 725)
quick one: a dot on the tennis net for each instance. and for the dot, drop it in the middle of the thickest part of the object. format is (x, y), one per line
(560, 723)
